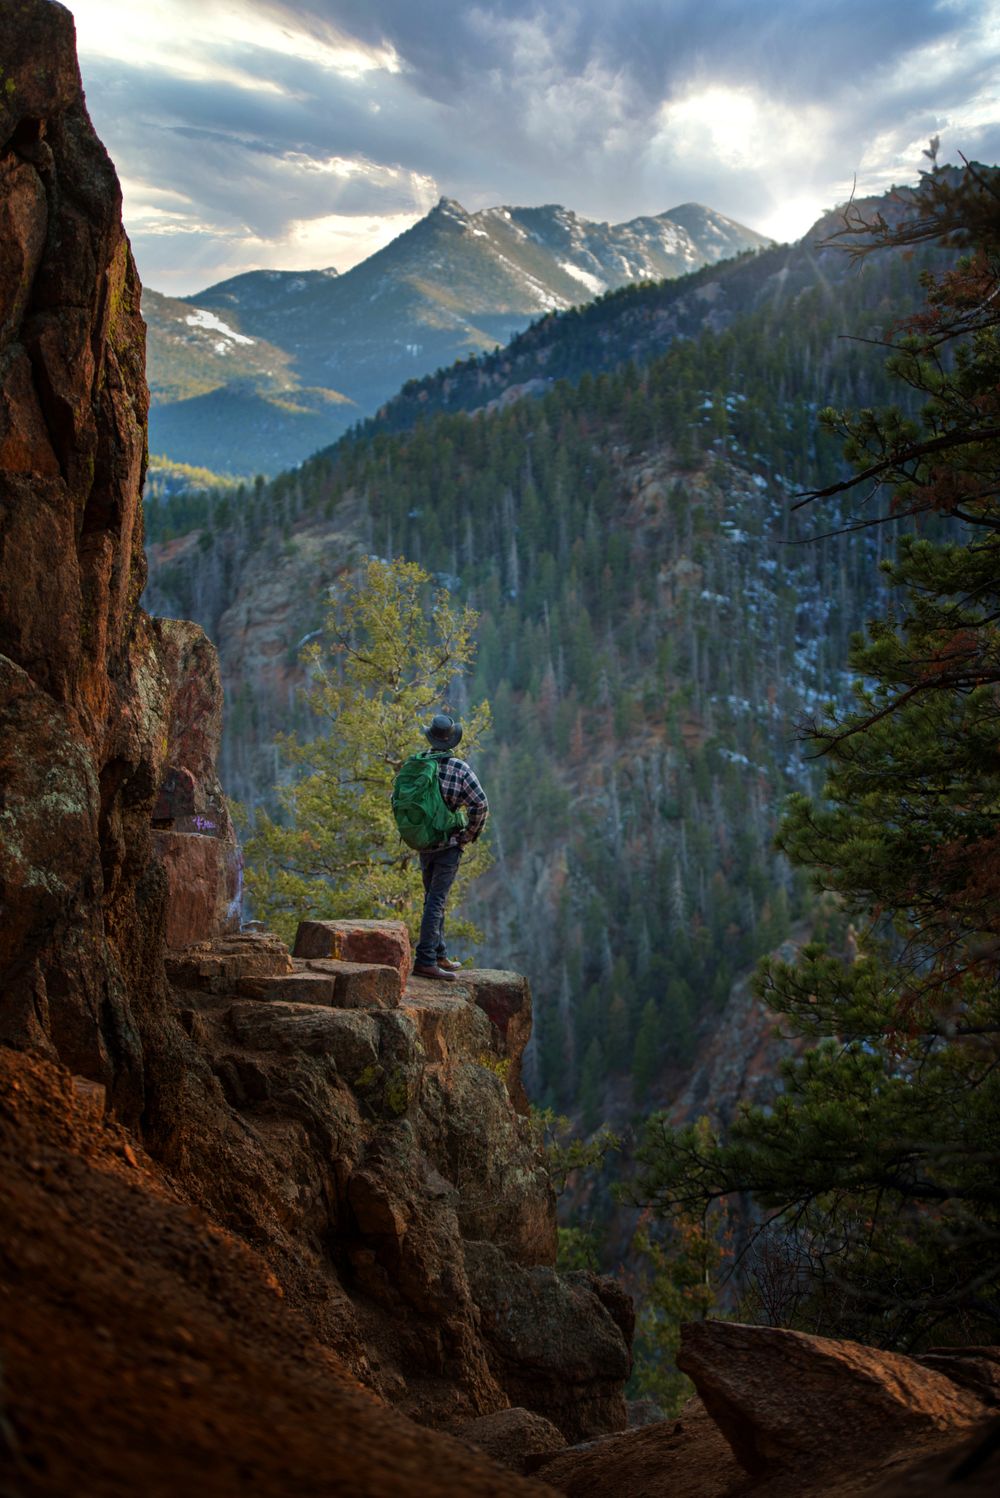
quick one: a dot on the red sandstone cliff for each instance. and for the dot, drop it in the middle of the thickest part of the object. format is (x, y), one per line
(81, 692)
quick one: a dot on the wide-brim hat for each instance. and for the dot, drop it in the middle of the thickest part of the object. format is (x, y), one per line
(443, 732)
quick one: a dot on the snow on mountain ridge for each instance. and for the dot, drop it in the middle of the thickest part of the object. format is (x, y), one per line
(199, 318)
(594, 284)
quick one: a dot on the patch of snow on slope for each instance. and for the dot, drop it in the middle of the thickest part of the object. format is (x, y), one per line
(594, 284)
(202, 319)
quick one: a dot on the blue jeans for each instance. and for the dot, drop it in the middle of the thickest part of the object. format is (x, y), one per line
(438, 867)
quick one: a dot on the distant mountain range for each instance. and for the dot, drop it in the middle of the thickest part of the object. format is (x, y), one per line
(256, 372)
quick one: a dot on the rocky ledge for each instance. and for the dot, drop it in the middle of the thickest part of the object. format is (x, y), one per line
(388, 1113)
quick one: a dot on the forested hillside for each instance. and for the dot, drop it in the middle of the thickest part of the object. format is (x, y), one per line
(652, 629)
(636, 323)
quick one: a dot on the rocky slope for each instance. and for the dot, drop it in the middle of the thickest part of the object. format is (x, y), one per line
(269, 347)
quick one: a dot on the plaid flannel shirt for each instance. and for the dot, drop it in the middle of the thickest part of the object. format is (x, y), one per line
(459, 787)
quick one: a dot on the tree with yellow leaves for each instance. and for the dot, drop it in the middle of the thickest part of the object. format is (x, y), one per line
(392, 650)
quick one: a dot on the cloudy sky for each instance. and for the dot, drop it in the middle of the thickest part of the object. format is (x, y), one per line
(253, 133)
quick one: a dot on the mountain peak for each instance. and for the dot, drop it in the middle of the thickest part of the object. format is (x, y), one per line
(449, 208)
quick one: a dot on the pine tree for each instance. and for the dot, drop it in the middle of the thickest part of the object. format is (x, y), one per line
(646, 1054)
(881, 1161)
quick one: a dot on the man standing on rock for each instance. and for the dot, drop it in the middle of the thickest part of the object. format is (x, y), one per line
(439, 865)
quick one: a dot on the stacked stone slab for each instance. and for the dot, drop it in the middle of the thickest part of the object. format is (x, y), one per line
(386, 943)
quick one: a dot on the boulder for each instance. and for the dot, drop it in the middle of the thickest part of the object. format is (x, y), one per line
(784, 1399)
(684, 1458)
(510, 1437)
(559, 1344)
(386, 943)
(974, 1368)
(358, 985)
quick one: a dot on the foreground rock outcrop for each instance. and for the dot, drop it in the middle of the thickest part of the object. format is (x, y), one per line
(380, 1131)
(147, 1351)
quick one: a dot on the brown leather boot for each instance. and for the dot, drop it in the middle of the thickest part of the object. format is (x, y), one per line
(434, 972)
(446, 962)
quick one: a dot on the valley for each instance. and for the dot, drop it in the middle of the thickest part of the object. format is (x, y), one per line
(655, 624)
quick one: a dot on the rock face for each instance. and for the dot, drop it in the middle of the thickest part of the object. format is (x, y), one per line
(193, 831)
(81, 691)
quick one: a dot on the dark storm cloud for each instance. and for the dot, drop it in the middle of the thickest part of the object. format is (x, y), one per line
(795, 49)
(541, 96)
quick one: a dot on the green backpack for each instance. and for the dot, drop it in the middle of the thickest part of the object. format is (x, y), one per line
(422, 817)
